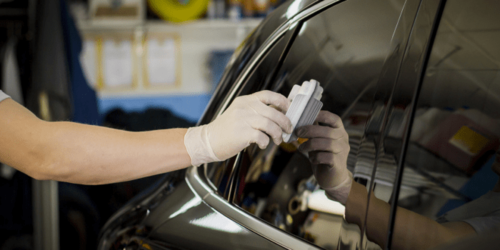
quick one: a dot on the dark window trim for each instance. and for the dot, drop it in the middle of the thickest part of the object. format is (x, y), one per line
(406, 137)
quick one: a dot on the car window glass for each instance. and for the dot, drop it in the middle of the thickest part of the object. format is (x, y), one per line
(219, 172)
(449, 186)
(344, 48)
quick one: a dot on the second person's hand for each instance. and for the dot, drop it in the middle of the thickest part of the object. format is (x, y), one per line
(328, 149)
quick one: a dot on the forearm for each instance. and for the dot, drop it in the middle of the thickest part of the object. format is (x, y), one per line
(378, 213)
(411, 230)
(356, 206)
(414, 231)
(87, 154)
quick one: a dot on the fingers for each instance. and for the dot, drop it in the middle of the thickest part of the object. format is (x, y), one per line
(274, 115)
(324, 158)
(260, 138)
(324, 144)
(316, 131)
(269, 127)
(271, 98)
(330, 119)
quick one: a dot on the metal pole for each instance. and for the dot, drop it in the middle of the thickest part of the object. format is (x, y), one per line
(45, 201)
(45, 215)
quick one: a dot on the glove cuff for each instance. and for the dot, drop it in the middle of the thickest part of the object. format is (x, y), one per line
(198, 146)
(340, 192)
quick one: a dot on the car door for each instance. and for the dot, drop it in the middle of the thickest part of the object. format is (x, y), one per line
(355, 50)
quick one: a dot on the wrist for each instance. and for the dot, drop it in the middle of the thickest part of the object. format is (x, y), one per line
(356, 205)
(198, 146)
(341, 191)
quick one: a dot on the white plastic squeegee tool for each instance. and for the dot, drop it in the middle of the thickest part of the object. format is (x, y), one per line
(305, 106)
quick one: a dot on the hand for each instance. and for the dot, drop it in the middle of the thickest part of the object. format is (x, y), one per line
(328, 148)
(249, 119)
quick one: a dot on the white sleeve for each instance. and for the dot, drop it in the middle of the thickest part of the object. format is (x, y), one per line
(3, 96)
(486, 223)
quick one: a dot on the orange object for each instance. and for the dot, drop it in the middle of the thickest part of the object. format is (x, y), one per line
(302, 140)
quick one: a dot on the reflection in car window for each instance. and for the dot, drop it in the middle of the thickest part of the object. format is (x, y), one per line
(344, 48)
(449, 188)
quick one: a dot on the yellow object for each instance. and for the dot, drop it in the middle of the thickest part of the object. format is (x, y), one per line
(292, 146)
(468, 140)
(178, 10)
(146, 246)
(43, 99)
(288, 147)
(302, 140)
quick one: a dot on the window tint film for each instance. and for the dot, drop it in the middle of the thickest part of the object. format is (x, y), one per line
(344, 48)
(449, 187)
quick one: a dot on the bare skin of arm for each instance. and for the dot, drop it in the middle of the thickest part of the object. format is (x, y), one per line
(411, 230)
(85, 154)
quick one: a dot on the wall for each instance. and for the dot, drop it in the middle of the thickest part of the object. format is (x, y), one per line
(197, 40)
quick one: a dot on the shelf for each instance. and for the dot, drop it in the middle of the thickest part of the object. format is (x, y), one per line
(196, 24)
(196, 41)
(151, 92)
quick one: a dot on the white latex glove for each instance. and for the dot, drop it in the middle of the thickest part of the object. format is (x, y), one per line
(249, 119)
(328, 148)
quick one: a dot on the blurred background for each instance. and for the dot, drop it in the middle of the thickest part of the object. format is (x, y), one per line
(129, 64)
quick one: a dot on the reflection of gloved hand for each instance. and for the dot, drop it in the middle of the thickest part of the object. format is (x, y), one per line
(328, 148)
(247, 120)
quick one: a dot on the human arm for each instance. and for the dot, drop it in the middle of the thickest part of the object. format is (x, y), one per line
(411, 230)
(86, 154)
(328, 149)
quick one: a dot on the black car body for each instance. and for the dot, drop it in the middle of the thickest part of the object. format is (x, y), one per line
(417, 84)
